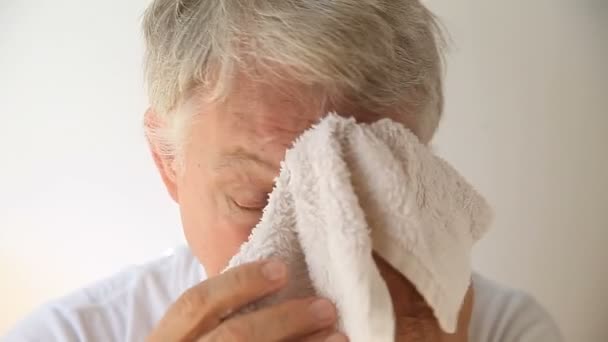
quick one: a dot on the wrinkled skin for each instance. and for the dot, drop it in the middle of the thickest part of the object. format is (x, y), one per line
(231, 158)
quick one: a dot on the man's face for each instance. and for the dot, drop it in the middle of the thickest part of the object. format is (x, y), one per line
(230, 161)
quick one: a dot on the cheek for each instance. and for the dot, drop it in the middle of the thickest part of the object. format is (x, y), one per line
(213, 235)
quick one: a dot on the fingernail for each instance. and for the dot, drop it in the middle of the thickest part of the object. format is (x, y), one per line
(323, 310)
(336, 338)
(274, 270)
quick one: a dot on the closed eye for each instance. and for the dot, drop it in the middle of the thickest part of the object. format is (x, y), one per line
(249, 207)
(251, 202)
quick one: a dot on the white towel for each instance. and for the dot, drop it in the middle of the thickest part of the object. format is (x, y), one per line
(347, 189)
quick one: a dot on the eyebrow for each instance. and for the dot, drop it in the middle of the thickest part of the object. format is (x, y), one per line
(239, 157)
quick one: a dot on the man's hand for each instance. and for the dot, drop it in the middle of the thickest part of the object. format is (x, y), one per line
(200, 313)
(415, 321)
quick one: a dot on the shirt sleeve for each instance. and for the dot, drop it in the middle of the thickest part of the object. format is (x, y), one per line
(530, 322)
(44, 324)
(505, 315)
(76, 318)
(124, 307)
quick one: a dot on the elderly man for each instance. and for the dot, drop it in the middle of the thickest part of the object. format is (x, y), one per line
(232, 84)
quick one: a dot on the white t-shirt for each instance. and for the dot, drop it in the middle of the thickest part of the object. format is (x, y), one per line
(127, 306)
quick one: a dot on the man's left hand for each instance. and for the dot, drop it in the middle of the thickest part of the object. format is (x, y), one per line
(415, 321)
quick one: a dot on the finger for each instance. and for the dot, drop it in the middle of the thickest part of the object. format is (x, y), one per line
(203, 307)
(325, 336)
(288, 320)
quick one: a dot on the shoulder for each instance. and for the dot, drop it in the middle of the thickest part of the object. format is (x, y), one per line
(501, 314)
(124, 307)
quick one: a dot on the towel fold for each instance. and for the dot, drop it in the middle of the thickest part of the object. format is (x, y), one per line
(346, 190)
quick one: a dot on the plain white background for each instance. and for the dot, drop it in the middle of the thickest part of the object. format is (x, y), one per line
(526, 122)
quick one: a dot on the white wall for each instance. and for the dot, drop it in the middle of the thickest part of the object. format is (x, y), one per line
(526, 114)
(527, 122)
(79, 197)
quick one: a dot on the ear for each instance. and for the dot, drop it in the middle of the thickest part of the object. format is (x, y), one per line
(164, 163)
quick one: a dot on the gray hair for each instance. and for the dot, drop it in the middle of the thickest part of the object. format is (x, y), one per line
(377, 55)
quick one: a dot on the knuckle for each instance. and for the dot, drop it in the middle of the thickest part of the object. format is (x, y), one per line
(241, 277)
(234, 332)
(193, 302)
(285, 317)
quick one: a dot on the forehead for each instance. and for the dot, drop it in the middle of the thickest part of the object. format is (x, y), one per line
(271, 111)
(259, 121)
(297, 101)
